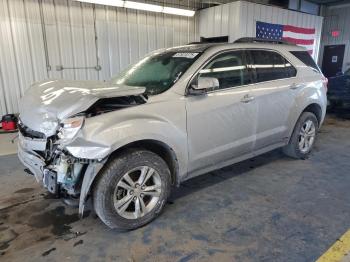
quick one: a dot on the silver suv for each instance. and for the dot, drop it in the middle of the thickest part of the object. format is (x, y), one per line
(177, 113)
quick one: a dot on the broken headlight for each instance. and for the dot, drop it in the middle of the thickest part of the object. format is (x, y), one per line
(70, 128)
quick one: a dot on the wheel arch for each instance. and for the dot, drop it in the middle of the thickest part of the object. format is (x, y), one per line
(312, 107)
(158, 147)
(316, 110)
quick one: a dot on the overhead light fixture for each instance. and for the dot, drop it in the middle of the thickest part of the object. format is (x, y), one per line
(142, 6)
(178, 11)
(118, 3)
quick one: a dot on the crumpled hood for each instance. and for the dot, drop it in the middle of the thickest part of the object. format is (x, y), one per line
(55, 100)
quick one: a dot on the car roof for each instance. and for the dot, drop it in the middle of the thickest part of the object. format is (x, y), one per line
(196, 48)
(201, 47)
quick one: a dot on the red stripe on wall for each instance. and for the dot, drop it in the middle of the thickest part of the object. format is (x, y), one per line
(299, 41)
(300, 30)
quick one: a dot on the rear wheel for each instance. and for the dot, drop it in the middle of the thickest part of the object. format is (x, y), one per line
(303, 137)
(132, 190)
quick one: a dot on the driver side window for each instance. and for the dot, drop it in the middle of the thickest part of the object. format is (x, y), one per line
(229, 68)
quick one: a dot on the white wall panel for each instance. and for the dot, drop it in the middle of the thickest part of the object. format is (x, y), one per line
(78, 36)
(8, 60)
(242, 17)
(21, 52)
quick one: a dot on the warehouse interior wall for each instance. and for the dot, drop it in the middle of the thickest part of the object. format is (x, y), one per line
(238, 19)
(64, 39)
(337, 18)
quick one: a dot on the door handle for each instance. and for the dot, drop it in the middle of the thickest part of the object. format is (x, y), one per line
(247, 98)
(295, 86)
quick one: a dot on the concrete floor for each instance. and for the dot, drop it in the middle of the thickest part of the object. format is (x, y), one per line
(270, 208)
(8, 143)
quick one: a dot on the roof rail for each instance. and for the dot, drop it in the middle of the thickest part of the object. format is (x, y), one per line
(259, 40)
(196, 43)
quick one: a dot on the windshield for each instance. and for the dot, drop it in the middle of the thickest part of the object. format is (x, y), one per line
(158, 72)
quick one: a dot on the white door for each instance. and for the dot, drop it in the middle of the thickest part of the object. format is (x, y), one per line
(274, 94)
(220, 123)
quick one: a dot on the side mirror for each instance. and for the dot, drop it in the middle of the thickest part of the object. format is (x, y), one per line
(202, 84)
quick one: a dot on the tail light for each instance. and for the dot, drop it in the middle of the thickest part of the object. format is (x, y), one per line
(325, 82)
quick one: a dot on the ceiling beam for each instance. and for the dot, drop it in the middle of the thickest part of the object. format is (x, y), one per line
(328, 2)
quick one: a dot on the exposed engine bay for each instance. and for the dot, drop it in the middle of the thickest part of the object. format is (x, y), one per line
(106, 105)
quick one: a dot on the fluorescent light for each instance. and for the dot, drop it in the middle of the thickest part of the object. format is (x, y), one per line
(118, 3)
(178, 11)
(143, 6)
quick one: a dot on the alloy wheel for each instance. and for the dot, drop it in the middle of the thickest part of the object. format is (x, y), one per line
(137, 192)
(307, 136)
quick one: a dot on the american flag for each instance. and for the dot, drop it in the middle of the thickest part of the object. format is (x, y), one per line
(297, 35)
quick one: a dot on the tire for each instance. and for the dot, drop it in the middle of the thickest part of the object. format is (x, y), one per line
(293, 149)
(110, 189)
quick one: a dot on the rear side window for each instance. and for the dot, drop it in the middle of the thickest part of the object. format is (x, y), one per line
(305, 57)
(270, 65)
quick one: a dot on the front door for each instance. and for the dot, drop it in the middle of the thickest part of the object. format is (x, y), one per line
(333, 57)
(220, 123)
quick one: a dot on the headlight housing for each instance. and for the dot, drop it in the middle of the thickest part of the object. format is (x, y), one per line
(70, 128)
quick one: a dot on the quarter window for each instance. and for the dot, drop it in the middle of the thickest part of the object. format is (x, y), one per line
(305, 57)
(229, 68)
(270, 65)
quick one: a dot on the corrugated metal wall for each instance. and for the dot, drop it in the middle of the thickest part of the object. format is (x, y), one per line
(42, 39)
(337, 18)
(238, 19)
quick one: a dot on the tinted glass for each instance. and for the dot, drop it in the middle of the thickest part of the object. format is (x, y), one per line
(229, 68)
(305, 57)
(157, 72)
(271, 66)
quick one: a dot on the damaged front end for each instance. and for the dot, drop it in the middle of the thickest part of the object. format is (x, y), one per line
(56, 168)
(50, 141)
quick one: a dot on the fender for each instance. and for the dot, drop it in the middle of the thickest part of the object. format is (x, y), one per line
(310, 94)
(101, 135)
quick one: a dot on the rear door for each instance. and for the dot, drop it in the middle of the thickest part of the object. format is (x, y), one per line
(274, 93)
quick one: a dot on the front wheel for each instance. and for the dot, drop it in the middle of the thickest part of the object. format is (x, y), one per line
(132, 189)
(303, 137)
